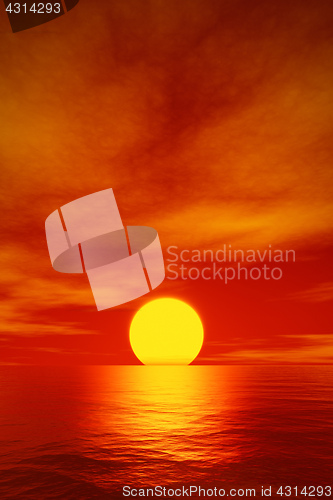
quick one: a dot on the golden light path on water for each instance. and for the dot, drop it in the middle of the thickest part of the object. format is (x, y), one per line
(85, 432)
(170, 412)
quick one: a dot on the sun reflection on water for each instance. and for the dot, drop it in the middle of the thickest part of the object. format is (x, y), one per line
(105, 427)
(171, 411)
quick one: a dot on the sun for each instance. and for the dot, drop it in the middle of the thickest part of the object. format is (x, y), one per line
(166, 332)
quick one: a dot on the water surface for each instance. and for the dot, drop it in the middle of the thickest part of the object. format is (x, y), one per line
(85, 432)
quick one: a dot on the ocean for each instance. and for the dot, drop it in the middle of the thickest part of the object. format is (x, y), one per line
(130, 431)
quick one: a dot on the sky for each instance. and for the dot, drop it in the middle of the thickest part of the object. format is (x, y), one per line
(212, 122)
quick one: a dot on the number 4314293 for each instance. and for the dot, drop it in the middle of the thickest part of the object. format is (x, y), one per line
(308, 491)
(35, 8)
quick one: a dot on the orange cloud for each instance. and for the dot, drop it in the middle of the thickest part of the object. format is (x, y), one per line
(311, 349)
(211, 122)
(321, 293)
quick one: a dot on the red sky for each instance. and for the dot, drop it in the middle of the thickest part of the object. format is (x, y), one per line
(212, 122)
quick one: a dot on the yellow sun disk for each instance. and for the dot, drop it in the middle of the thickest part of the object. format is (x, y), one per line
(166, 332)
